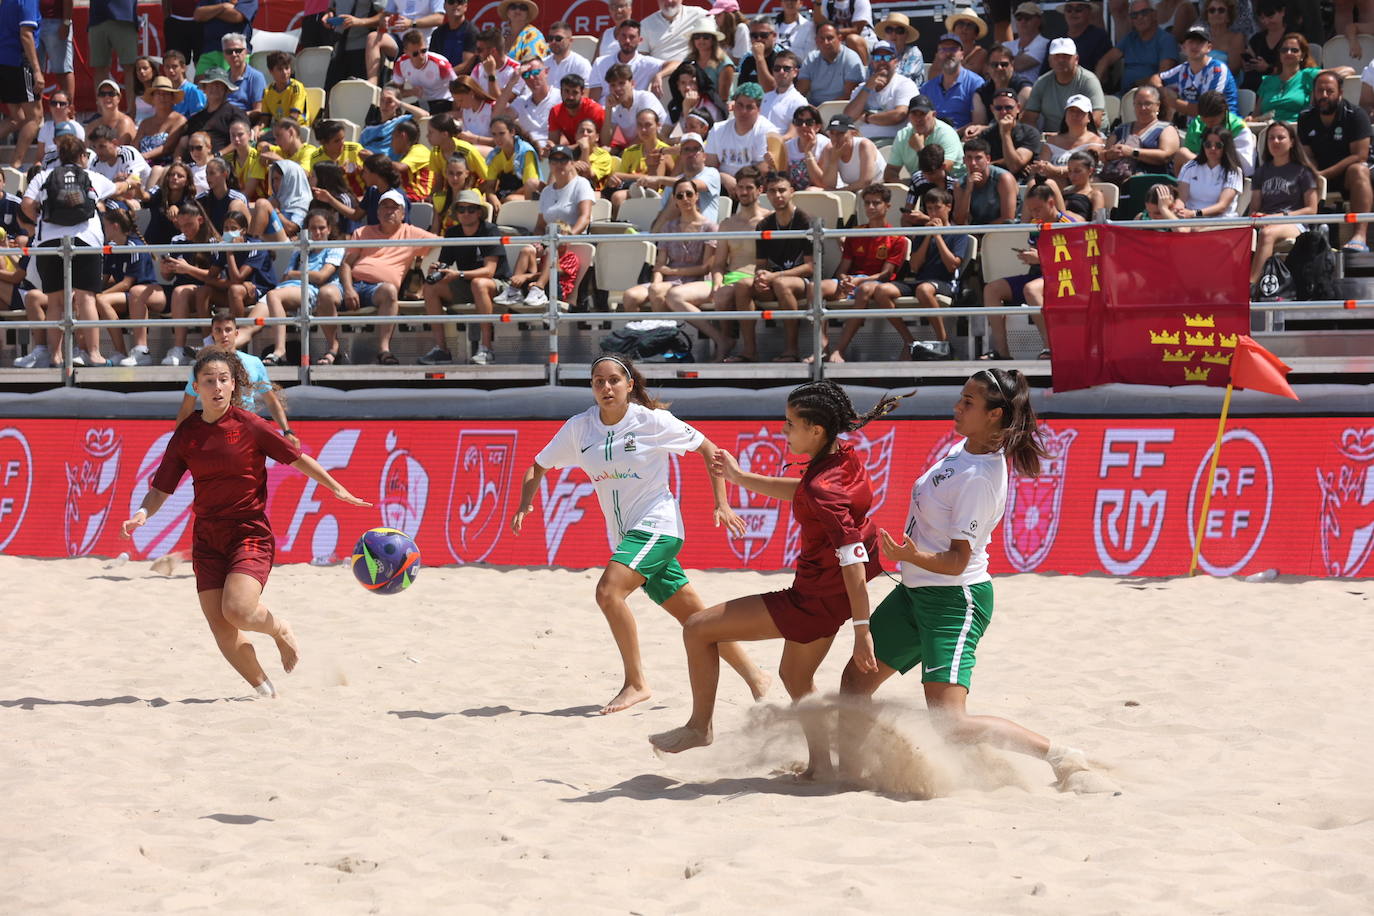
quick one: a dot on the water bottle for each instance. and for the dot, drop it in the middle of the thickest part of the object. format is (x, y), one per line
(1269, 575)
(323, 560)
(118, 561)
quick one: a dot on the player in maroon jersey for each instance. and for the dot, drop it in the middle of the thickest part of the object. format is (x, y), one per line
(226, 449)
(838, 557)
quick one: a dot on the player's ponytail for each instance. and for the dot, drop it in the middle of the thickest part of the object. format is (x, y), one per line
(1020, 434)
(639, 389)
(826, 405)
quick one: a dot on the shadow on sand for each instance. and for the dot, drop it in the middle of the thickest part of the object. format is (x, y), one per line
(651, 786)
(34, 702)
(489, 712)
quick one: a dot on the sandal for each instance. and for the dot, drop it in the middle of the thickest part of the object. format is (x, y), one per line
(327, 359)
(785, 358)
(386, 358)
(274, 359)
(735, 358)
(1355, 247)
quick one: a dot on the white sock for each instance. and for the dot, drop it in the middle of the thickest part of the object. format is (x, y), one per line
(265, 689)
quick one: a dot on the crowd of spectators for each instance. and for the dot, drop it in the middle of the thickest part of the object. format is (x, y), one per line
(715, 113)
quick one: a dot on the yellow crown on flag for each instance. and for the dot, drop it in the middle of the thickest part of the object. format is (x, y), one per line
(1198, 321)
(1221, 359)
(1197, 375)
(1164, 337)
(1227, 340)
(1200, 340)
(1179, 356)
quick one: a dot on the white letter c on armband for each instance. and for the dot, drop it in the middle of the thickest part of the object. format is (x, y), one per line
(850, 554)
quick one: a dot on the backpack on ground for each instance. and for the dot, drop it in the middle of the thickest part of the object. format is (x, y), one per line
(68, 197)
(1312, 263)
(650, 341)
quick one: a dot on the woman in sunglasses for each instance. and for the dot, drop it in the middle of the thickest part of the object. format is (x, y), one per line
(805, 151)
(1228, 45)
(706, 52)
(107, 97)
(524, 42)
(937, 615)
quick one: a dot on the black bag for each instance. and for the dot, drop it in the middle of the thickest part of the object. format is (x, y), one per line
(68, 198)
(655, 345)
(1275, 283)
(1313, 265)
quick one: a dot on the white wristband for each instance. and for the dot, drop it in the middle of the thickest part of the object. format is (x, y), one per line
(850, 554)
(860, 623)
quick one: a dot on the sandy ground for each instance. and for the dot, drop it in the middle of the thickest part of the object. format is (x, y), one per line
(436, 752)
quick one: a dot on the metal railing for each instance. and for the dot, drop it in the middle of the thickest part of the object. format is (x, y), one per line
(817, 312)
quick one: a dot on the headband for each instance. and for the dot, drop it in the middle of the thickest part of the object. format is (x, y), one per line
(616, 360)
(998, 383)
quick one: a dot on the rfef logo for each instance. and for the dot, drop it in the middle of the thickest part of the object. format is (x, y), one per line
(16, 482)
(1128, 512)
(404, 490)
(1034, 504)
(1346, 519)
(1242, 498)
(90, 491)
(483, 466)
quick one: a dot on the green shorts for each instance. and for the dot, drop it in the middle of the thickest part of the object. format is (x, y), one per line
(735, 276)
(653, 556)
(935, 626)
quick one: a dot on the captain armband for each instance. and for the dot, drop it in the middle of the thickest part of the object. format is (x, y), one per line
(850, 554)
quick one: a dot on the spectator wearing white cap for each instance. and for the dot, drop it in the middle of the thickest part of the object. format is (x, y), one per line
(1051, 93)
(1077, 133)
(107, 96)
(954, 88)
(1029, 46)
(373, 276)
(691, 164)
(878, 106)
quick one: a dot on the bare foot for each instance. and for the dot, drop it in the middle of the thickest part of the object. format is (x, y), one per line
(680, 739)
(836, 356)
(818, 772)
(286, 645)
(627, 697)
(759, 686)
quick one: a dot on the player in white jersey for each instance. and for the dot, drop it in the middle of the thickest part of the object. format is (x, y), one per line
(936, 616)
(624, 442)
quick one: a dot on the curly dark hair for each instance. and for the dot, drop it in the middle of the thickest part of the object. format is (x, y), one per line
(243, 388)
(826, 405)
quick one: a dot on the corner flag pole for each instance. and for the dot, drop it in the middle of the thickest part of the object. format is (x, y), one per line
(1211, 477)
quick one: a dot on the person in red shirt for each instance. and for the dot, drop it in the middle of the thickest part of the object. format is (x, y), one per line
(866, 262)
(226, 449)
(575, 108)
(838, 556)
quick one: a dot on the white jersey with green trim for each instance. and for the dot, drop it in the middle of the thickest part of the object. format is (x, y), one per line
(962, 497)
(628, 465)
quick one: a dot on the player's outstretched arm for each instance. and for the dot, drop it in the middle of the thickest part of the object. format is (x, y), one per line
(723, 513)
(724, 465)
(528, 486)
(151, 503)
(311, 468)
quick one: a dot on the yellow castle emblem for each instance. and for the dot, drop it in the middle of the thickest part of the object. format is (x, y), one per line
(1061, 247)
(1097, 280)
(1091, 237)
(1065, 282)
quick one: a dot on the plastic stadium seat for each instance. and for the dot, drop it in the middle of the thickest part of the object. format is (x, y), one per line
(312, 65)
(641, 212)
(519, 214)
(351, 98)
(618, 265)
(587, 46)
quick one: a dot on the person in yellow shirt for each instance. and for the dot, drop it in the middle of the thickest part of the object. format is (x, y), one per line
(646, 156)
(244, 160)
(513, 169)
(444, 145)
(412, 161)
(594, 162)
(346, 154)
(287, 133)
(285, 97)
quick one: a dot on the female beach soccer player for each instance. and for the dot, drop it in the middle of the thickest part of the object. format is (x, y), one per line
(226, 449)
(622, 442)
(838, 556)
(936, 615)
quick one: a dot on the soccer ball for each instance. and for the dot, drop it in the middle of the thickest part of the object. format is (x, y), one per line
(385, 561)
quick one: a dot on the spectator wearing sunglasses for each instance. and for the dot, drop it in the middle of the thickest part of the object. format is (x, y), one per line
(923, 129)
(466, 273)
(805, 150)
(531, 109)
(251, 84)
(62, 119)
(1000, 76)
(218, 113)
(1012, 143)
(757, 65)
(425, 73)
(1228, 43)
(107, 98)
(782, 101)
(524, 41)
(1090, 38)
(456, 36)
(879, 105)
(561, 60)
(898, 31)
(1029, 46)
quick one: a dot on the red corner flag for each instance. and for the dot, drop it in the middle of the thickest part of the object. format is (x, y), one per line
(1256, 369)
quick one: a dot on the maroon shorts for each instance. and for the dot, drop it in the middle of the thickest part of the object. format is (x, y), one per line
(219, 548)
(806, 618)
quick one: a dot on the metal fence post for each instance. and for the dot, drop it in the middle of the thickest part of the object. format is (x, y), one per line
(307, 309)
(551, 246)
(68, 330)
(817, 300)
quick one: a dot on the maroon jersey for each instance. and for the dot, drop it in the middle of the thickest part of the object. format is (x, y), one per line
(227, 461)
(831, 505)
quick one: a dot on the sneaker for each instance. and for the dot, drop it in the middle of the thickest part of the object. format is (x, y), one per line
(177, 356)
(483, 356)
(138, 356)
(536, 298)
(508, 296)
(40, 358)
(930, 349)
(115, 359)
(80, 358)
(436, 355)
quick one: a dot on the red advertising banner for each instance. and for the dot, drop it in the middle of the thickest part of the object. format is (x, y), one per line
(1142, 306)
(1118, 496)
